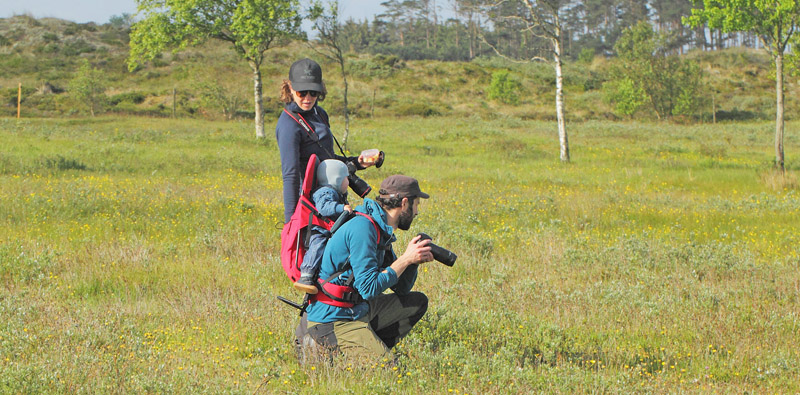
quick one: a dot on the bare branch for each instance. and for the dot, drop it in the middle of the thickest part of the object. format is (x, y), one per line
(539, 20)
(320, 52)
(510, 59)
(535, 20)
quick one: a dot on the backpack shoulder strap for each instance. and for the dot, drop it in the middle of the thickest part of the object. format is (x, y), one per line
(346, 265)
(374, 225)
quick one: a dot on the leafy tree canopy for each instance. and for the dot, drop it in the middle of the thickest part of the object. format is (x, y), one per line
(646, 70)
(251, 26)
(773, 21)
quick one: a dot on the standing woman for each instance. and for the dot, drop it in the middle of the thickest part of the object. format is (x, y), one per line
(303, 129)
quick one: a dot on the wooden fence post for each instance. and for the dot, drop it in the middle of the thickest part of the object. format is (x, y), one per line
(372, 104)
(19, 99)
(714, 108)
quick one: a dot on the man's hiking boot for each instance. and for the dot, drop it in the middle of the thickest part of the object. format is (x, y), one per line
(306, 284)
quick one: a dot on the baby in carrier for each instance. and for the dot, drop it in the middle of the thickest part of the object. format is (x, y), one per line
(330, 199)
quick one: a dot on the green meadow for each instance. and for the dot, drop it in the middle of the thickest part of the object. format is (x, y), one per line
(141, 255)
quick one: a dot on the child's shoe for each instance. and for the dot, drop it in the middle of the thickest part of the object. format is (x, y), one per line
(306, 284)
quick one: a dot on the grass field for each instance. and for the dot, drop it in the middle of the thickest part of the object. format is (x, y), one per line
(141, 255)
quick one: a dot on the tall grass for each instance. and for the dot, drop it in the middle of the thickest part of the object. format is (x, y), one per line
(141, 255)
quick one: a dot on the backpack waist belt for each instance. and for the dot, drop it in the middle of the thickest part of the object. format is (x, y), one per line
(338, 295)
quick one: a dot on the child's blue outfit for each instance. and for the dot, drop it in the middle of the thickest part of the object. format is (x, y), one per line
(330, 203)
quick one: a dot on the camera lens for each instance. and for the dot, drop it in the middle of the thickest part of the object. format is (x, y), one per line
(359, 186)
(443, 255)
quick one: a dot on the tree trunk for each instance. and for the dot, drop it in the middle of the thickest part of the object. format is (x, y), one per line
(435, 24)
(779, 111)
(471, 39)
(427, 34)
(346, 112)
(562, 124)
(458, 31)
(259, 99)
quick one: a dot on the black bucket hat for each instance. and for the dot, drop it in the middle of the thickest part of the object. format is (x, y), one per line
(306, 75)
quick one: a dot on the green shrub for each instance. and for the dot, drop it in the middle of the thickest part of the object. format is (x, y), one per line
(646, 64)
(121, 22)
(626, 97)
(128, 97)
(586, 55)
(59, 162)
(388, 61)
(686, 103)
(736, 114)
(28, 20)
(44, 103)
(111, 38)
(417, 108)
(504, 88)
(77, 47)
(72, 29)
(593, 81)
(50, 38)
(159, 62)
(10, 95)
(377, 66)
(88, 87)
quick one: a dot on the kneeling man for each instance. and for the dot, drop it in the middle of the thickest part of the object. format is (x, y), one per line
(351, 313)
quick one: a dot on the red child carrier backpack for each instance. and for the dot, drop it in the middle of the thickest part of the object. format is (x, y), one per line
(298, 229)
(294, 241)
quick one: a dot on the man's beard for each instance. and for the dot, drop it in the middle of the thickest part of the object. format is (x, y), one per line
(406, 217)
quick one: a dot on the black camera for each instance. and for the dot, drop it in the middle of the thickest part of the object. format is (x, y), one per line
(442, 255)
(359, 186)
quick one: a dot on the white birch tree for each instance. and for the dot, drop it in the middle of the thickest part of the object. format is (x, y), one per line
(542, 19)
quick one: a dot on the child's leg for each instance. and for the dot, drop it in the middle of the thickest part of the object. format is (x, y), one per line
(313, 256)
(311, 262)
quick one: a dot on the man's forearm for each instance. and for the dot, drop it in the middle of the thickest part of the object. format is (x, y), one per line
(400, 265)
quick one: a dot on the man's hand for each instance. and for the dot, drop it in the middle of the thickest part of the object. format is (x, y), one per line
(348, 208)
(417, 252)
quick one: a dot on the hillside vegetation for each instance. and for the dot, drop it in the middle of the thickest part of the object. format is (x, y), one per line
(44, 55)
